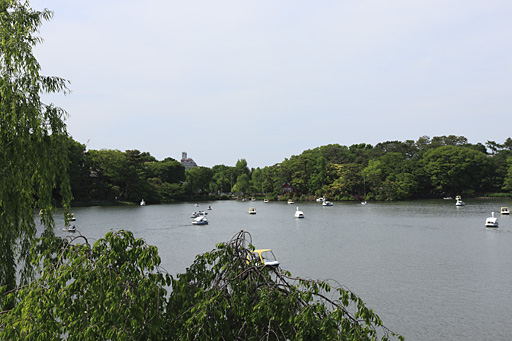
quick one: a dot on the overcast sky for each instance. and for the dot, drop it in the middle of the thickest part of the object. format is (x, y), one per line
(264, 80)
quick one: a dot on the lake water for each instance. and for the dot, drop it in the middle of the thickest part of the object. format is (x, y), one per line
(429, 269)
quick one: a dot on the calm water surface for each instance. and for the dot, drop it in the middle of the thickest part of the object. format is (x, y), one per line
(428, 268)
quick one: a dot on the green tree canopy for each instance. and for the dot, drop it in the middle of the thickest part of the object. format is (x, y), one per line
(108, 168)
(242, 185)
(453, 169)
(507, 183)
(78, 171)
(198, 179)
(391, 170)
(168, 170)
(241, 167)
(223, 178)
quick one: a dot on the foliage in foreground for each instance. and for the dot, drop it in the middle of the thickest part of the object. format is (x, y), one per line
(222, 296)
(33, 149)
(110, 290)
(115, 289)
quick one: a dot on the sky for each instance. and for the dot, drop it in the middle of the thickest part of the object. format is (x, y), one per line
(264, 80)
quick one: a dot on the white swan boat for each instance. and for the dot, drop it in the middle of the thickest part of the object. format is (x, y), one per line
(299, 214)
(327, 203)
(491, 221)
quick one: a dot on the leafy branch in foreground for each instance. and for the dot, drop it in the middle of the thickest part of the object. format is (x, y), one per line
(110, 290)
(115, 289)
(223, 296)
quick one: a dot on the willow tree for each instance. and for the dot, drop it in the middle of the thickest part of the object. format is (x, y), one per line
(33, 155)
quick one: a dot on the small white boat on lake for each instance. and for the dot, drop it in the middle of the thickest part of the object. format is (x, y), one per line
(69, 228)
(265, 201)
(299, 214)
(458, 201)
(290, 201)
(252, 210)
(201, 220)
(491, 221)
(263, 256)
(505, 210)
(327, 203)
(322, 199)
(142, 202)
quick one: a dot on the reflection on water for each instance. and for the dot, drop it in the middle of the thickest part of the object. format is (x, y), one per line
(428, 268)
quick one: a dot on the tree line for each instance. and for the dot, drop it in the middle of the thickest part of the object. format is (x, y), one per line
(392, 170)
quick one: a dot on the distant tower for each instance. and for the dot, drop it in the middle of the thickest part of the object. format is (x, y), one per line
(187, 162)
